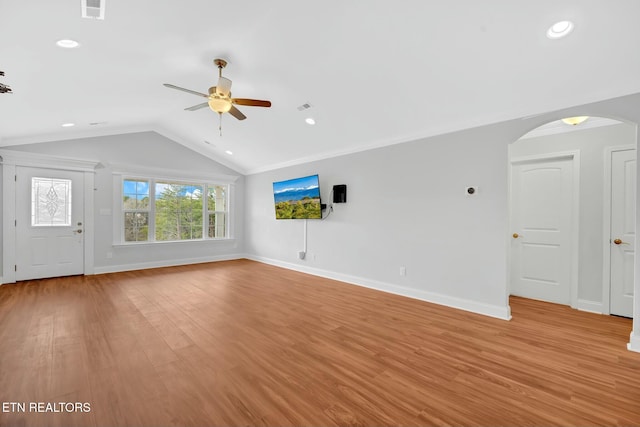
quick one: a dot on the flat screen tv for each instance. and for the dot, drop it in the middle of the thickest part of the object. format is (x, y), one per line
(298, 198)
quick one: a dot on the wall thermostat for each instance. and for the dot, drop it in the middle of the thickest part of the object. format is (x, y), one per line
(471, 190)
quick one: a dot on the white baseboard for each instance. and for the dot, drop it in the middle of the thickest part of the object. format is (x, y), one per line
(166, 263)
(496, 311)
(590, 306)
(634, 342)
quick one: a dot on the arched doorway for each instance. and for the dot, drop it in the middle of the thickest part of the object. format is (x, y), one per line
(572, 187)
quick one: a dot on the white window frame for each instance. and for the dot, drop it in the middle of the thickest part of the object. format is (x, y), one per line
(206, 212)
(149, 211)
(124, 172)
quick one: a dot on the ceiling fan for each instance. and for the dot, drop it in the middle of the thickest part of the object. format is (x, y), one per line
(219, 98)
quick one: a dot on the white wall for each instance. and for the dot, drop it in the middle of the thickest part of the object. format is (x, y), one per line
(148, 150)
(406, 206)
(591, 143)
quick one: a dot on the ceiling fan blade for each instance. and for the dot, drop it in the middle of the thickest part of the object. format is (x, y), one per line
(236, 113)
(251, 102)
(197, 107)
(224, 86)
(170, 86)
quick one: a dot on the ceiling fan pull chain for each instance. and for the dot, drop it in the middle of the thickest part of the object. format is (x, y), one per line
(220, 126)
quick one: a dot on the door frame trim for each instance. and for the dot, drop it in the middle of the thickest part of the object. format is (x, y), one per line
(606, 225)
(574, 156)
(10, 161)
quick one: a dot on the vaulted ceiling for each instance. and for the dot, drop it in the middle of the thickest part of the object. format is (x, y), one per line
(374, 72)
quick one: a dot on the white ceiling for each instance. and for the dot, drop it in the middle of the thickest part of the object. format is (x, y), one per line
(376, 72)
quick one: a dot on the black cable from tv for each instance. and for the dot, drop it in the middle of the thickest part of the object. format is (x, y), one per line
(330, 206)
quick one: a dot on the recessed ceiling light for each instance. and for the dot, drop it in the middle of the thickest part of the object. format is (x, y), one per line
(68, 125)
(67, 44)
(560, 29)
(229, 152)
(310, 121)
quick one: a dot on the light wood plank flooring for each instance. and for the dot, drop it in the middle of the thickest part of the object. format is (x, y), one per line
(242, 343)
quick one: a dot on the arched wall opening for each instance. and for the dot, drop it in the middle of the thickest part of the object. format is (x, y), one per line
(590, 147)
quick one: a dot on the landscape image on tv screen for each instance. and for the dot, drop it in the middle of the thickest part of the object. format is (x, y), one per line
(298, 198)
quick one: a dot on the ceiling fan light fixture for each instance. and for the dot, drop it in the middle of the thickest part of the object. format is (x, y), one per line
(220, 105)
(573, 121)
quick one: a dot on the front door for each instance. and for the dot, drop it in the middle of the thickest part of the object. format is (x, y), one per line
(541, 226)
(49, 223)
(622, 237)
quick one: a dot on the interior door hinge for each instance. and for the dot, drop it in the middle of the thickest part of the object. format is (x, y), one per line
(15, 223)
(15, 268)
(15, 178)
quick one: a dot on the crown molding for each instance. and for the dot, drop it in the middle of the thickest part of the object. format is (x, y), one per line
(24, 158)
(164, 173)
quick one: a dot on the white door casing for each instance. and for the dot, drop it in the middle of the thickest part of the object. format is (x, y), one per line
(544, 226)
(49, 223)
(619, 253)
(11, 161)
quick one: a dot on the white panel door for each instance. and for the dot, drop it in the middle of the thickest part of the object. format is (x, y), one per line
(49, 223)
(541, 212)
(623, 236)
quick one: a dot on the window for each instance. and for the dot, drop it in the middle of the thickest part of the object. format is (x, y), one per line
(216, 210)
(167, 211)
(50, 202)
(178, 211)
(135, 205)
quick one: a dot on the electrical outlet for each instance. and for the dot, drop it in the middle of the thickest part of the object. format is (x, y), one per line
(109, 255)
(403, 270)
(301, 254)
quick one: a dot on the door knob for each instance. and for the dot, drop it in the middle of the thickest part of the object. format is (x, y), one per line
(79, 231)
(516, 235)
(620, 242)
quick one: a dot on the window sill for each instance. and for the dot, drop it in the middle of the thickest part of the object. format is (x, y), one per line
(171, 242)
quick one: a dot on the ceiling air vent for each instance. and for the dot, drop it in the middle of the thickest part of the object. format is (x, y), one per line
(305, 106)
(93, 9)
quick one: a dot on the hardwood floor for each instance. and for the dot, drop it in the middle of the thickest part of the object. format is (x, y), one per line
(242, 343)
